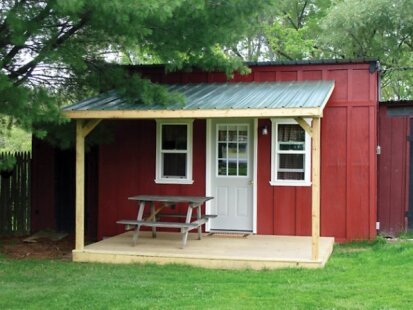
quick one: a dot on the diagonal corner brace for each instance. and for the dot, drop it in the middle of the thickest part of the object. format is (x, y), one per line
(304, 125)
(88, 126)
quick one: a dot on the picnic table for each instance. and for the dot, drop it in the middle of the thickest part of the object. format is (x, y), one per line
(163, 201)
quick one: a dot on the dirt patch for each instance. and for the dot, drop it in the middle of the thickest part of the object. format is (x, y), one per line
(16, 248)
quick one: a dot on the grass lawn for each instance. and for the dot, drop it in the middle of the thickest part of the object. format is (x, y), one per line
(358, 276)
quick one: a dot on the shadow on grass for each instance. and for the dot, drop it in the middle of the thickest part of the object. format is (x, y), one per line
(360, 246)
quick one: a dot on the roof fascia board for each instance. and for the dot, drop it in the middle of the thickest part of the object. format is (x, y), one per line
(323, 105)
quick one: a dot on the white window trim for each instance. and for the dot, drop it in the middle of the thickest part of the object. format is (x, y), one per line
(274, 158)
(162, 180)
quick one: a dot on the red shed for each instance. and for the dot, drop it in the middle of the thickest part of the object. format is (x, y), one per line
(395, 167)
(289, 149)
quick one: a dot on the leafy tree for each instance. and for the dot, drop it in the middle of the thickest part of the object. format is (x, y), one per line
(380, 29)
(295, 32)
(341, 29)
(287, 31)
(52, 51)
(15, 140)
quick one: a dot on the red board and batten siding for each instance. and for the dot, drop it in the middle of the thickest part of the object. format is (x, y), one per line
(127, 168)
(43, 215)
(348, 160)
(393, 176)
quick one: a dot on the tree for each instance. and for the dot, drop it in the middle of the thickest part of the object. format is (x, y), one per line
(380, 29)
(15, 140)
(341, 29)
(287, 31)
(53, 51)
(295, 32)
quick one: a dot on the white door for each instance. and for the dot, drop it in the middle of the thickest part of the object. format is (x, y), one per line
(232, 174)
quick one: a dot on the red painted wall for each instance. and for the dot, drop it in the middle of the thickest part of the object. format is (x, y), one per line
(348, 169)
(43, 186)
(393, 175)
(127, 168)
(348, 160)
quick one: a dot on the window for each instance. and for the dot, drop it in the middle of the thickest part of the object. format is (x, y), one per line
(174, 152)
(232, 150)
(291, 151)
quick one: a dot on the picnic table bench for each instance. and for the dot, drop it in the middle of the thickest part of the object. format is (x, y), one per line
(193, 202)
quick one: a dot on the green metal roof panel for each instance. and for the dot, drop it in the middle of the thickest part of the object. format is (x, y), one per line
(268, 95)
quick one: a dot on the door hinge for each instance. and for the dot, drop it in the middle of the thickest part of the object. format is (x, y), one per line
(378, 150)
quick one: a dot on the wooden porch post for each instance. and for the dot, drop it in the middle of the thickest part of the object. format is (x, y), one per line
(315, 203)
(80, 186)
(82, 130)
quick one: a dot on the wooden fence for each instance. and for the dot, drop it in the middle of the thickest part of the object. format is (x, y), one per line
(15, 196)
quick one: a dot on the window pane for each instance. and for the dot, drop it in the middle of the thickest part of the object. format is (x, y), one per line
(290, 175)
(291, 146)
(232, 167)
(242, 150)
(222, 150)
(232, 133)
(292, 133)
(291, 161)
(222, 167)
(174, 137)
(232, 150)
(174, 165)
(243, 134)
(242, 168)
(222, 133)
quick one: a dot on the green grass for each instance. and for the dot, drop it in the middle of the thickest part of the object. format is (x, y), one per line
(358, 276)
(407, 235)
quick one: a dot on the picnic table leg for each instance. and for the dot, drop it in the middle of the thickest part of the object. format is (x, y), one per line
(153, 219)
(139, 218)
(184, 231)
(198, 217)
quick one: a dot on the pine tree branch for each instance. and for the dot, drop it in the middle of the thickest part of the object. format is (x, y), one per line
(28, 33)
(4, 27)
(26, 70)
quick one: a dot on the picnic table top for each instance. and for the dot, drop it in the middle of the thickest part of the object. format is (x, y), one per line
(171, 198)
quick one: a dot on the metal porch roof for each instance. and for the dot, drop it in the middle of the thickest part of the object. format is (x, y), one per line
(304, 98)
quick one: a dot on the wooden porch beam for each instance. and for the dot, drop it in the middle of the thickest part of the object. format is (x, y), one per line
(304, 125)
(83, 128)
(315, 203)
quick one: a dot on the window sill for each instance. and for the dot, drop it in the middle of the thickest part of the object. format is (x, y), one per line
(290, 183)
(173, 181)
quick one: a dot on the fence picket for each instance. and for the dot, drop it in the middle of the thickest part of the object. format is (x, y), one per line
(15, 196)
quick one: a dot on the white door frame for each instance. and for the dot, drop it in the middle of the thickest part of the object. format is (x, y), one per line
(208, 172)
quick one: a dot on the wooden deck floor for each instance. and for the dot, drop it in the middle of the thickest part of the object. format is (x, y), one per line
(213, 251)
